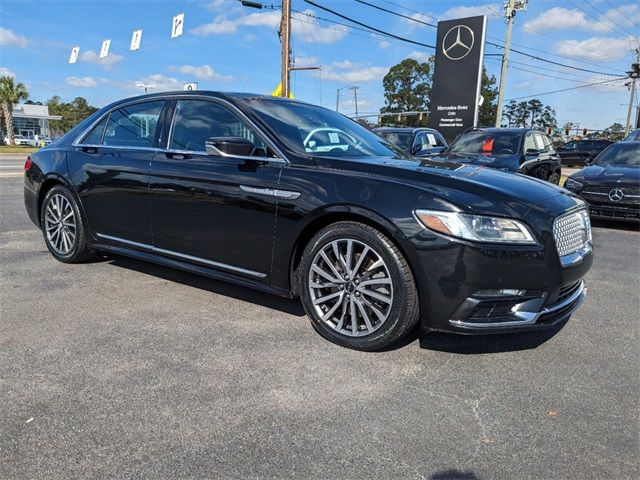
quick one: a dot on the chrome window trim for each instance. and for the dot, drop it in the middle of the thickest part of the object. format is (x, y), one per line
(183, 255)
(529, 318)
(280, 158)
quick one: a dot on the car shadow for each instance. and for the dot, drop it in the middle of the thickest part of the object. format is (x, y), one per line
(291, 306)
(477, 344)
(436, 341)
(615, 224)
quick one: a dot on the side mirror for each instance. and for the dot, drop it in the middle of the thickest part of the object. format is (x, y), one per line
(588, 161)
(531, 152)
(416, 148)
(229, 146)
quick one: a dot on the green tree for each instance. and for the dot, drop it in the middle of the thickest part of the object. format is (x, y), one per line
(407, 88)
(10, 93)
(534, 108)
(72, 113)
(614, 132)
(489, 108)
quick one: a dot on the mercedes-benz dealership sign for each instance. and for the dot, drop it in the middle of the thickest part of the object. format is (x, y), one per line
(458, 72)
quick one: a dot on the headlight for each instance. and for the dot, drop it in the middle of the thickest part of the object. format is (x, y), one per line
(477, 228)
(573, 185)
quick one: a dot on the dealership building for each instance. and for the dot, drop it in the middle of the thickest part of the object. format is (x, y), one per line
(32, 120)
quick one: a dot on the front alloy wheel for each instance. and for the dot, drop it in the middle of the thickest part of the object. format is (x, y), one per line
(357, 287)
(350, 287)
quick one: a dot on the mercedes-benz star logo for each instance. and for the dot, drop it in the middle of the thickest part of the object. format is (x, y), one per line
(615, 195)
(457, 42)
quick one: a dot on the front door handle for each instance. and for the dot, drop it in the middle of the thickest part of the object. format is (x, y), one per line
(177, 156)
(91, 150)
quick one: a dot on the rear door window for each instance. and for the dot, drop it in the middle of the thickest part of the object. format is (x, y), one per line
(133, 126)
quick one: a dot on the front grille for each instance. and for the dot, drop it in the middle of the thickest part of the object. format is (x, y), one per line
(600, 193)
(572, 232)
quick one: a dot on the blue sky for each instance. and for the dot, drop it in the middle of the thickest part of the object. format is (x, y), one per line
(229, 47)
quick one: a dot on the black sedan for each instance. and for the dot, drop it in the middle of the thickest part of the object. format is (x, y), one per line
(611, 183)
(372, 240)
(421, 142)
(577, 152)
(521, 150)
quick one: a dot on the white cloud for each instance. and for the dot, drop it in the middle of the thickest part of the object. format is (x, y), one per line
(350, 72)
(383, 44)
(489, 9)
(159, 83)
(420, 56)
(304, 25)
(92, 57)
(203, 72)
(4, 71)
(559, 18)
(595, 48)
(306, 61)
(84, 82)
(11, 39)
(417, 20)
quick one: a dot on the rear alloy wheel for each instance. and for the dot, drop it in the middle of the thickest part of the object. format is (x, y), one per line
(554, 178)
(62, 226)
(357, 288)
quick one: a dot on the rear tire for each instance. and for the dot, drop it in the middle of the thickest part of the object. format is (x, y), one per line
(63, 227)
(357, 288)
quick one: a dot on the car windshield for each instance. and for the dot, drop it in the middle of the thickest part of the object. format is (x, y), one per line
(308, 129)
(399, 139)
(487, 142)
(623, 154)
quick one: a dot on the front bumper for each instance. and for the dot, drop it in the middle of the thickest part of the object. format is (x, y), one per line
(510, 314)
(451, 273)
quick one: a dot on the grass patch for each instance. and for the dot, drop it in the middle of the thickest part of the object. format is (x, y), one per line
(14, 149)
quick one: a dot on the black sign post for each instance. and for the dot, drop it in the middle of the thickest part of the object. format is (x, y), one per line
(457, 76)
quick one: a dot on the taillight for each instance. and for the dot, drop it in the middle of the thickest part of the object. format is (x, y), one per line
(27, 164)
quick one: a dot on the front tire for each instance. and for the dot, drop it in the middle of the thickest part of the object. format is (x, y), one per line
(554, 178)
(63, 227)
(357, 287)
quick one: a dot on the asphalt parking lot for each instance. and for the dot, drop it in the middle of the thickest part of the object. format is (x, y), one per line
(119, 369)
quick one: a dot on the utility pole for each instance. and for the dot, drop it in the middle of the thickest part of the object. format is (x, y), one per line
(634, 74)
(338, 90)
(511, 7)
(355, 97)
(285, 40)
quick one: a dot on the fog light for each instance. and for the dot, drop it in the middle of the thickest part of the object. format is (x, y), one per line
(506, 292)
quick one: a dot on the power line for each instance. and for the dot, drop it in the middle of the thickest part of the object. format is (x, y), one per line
(617, 10)
(593, 16)
(609, 18)
(397, 14)
(570, 88)
(382, 32)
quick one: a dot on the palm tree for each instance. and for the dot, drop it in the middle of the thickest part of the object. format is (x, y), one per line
(10, 93)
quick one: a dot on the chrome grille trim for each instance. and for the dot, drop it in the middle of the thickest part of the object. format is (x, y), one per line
(572, 235)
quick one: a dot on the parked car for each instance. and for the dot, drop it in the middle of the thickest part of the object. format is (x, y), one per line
(420, 142)
(611, 182)
(576, 152)
(634, 136)
(19, 140)
(372, 240)
(520, 150)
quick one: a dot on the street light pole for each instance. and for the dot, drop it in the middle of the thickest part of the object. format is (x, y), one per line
(355, 97)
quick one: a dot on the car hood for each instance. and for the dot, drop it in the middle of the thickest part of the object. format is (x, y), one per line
(470, 188)
(607, 175)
